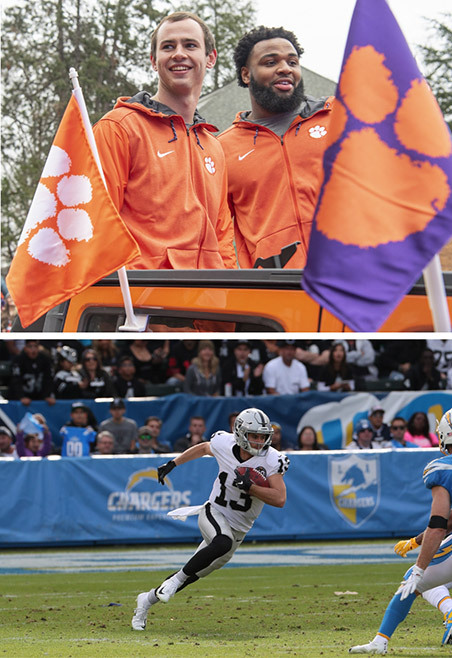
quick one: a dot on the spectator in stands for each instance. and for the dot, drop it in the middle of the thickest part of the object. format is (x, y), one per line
(96, 382)
(150, 359)
(314, 355)
(7, 448)
(30, 444)
(124, 430)
(395, 357)
(148, 438)
(195, 434)
(240, 374)
(203, 376)
(360, 354)
(269, 350)
(380, 429)
(108, 352)
(284, 375)
(442, 354)
(126, 384)
(231, 419)
(308, 439)
(181, 355)
(398, 429)
(31, 375)
(277, 438)
(337, 375)
(418, 431)
(78, 435)
(68, 380)
(362, 437)
(105, 443)
(423, 376)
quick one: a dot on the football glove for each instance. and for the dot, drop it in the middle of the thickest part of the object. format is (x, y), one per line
(164, 469)
(409, 585)
(402, 547)
(242, 482)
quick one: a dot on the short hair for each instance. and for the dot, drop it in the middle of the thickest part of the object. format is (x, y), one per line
(198, 418)
(209, 39)
(125, 358)
(151, 418)
(248, 41)
(105, 433)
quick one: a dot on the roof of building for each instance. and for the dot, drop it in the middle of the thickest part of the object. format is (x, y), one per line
(221, 106)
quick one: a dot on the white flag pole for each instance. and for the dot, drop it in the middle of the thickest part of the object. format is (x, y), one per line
(132, 322)
(436, 294)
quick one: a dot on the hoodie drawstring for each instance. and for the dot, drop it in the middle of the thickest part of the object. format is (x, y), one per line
(197, 139)
(174, 139)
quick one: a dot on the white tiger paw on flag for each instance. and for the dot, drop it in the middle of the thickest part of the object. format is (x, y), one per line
(73, 235)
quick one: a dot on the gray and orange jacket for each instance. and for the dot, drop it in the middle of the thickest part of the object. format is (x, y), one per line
(274, 181)
(169, 185)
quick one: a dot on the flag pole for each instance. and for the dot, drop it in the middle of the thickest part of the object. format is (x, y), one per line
(132, 322)
(436, 294)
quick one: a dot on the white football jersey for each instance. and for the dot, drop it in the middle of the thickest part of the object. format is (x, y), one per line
(239, 508)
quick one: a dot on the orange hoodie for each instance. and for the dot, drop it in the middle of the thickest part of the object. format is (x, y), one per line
(274, 182)
(169, 184)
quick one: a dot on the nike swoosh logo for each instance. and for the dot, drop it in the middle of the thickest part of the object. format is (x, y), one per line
(162, 155)
(242, 157)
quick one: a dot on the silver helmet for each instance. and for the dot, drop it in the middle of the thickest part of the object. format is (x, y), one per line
(444, 431)
(254, 421)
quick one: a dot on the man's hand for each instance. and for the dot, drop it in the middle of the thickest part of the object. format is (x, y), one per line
(402, 547)
(164, 469)
(409, 585)
(242, 482)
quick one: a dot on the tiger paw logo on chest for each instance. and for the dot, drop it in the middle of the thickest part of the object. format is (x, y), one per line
(210, 165)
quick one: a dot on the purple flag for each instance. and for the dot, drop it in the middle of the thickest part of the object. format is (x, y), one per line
(385, 206)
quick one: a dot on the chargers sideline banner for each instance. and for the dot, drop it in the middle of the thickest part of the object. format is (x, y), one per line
(335, 494)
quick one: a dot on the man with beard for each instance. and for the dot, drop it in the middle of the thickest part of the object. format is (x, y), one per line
(274, 152)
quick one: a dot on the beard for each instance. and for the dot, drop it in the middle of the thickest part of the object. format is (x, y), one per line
(269, 100)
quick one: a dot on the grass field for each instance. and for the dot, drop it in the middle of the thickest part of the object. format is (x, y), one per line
(269, 612)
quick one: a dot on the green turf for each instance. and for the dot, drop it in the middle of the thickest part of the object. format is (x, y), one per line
(281, 611)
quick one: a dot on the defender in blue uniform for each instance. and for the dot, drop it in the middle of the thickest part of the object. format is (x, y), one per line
(434, 564)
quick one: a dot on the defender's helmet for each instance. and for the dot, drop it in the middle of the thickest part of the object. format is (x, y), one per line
(444, 431)
(68, 353)
(254, 421)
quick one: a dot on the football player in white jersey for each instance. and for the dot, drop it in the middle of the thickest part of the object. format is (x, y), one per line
(434, 563)
(234, 503)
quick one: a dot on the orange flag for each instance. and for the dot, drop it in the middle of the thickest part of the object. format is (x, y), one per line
(73, 235)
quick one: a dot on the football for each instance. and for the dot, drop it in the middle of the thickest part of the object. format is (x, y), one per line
(256, 476)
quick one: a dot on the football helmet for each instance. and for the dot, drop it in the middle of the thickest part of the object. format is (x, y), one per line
(68, 353)
(254, 421)
(444, 431)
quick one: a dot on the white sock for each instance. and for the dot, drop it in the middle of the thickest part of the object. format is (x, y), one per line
(380, 639)
(152, 598)
(439, 597)
(180, 576)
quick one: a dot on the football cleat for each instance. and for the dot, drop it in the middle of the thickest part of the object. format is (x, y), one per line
(141, 612)
(447, 637)
(167, 590)
(373, 647)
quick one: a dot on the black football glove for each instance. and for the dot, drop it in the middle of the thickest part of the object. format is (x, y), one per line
(164, 469)
(242, 482)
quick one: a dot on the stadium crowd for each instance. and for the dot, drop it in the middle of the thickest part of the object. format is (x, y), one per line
(120, 370)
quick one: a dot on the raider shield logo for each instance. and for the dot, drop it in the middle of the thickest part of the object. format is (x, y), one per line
(354, 487)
